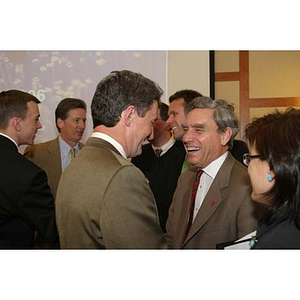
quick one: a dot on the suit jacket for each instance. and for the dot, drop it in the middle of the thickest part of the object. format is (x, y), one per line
(227, 212)
(162, 173)
(47, 156)
(104, 201)
(281, 234)
(26, 202)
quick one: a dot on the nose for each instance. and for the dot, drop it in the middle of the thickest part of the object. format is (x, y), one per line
(186, 137)
(81, 124)
(39, 125)
(168, 123)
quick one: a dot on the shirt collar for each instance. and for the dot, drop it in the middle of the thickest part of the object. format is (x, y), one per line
(166, 146)
(213, 168)
(111, 140)
(65, 147)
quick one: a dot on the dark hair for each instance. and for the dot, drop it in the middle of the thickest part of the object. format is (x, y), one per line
(223, 115)
(187, 95)
(64, 106)
(276, 138)
(117, 91)
(163, 108)
(13, 103)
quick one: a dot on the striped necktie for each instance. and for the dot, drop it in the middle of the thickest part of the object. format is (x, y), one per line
(73, 154)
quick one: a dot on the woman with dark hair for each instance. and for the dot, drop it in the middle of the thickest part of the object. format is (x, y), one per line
(274, 170)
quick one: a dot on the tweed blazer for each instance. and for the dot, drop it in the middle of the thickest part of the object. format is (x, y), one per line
(227, 212)
(47, 156)
(104, 201)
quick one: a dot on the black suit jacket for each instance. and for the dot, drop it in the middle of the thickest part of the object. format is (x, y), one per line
(26, 202)
(162, 173)
(281, 234)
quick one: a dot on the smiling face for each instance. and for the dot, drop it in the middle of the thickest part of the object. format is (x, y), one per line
(176, 118)
(72, 128)
(141, 128)
(202, 141)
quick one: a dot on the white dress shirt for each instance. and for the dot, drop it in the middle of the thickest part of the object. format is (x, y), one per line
(110, 140)
(207, 177)
(166, 146)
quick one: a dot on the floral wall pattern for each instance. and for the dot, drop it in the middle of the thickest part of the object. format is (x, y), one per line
(54, 75)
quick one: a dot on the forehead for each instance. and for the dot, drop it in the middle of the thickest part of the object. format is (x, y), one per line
(177, 104)
(153, 111)
(76, 112)
(200, 115)
(32, 108)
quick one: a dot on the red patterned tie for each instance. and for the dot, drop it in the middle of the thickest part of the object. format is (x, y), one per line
(192, 205)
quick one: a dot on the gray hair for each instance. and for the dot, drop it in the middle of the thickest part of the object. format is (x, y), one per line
(224, 115)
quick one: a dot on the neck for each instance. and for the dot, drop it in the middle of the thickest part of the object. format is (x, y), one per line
(160, 141)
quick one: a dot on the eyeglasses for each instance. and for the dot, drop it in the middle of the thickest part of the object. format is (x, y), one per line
(247, 158)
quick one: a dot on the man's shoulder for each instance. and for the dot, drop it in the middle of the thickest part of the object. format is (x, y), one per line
(42, 146)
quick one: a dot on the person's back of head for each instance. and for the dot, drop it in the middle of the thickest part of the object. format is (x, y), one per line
(163, 111)
(187, 95)
(117, 91)
(13, 103)
(223, 115)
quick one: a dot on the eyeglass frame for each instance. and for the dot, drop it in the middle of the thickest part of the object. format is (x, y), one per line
(247, 158)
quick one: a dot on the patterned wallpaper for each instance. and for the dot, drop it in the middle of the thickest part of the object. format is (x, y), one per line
(54, 75)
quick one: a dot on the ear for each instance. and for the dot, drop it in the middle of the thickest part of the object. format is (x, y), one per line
(16, 123)
(60, 123)
(226, 135)
(271, 173)
(128, 114)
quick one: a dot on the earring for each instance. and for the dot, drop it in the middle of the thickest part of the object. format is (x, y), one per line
(270, 178)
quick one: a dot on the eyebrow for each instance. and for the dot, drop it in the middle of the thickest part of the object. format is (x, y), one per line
(196, 125)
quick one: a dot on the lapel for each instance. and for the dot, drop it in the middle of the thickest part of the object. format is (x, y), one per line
(185, 205)
(213, 198)
(54, 159)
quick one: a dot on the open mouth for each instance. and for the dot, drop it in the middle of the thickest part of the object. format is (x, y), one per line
(191, 149)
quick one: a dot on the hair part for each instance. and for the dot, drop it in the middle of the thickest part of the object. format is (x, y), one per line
(13, 103)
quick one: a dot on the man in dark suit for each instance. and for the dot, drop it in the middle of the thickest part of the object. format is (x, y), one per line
(161, 162)
(217, 207)
(104, 201)
(55, 155)
(26, 202)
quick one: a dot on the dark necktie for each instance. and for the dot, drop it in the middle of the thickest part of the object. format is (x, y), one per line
(158, 152)
(193, 198)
